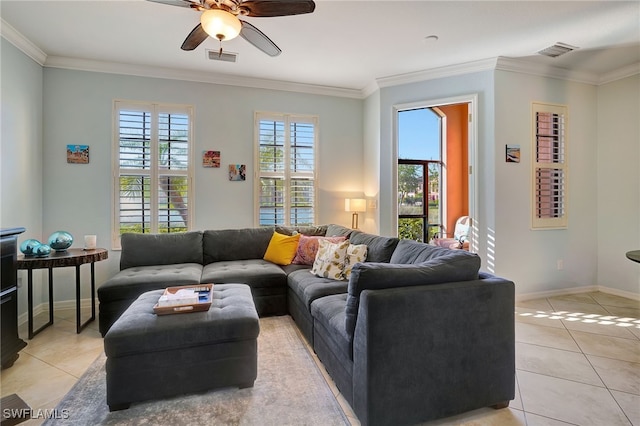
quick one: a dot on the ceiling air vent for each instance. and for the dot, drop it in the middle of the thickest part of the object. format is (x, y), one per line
(557, 50)
(215, 55)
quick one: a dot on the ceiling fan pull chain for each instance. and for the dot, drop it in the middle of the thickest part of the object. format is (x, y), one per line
(220, 51)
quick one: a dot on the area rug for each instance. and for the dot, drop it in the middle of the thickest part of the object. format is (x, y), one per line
(289, 390)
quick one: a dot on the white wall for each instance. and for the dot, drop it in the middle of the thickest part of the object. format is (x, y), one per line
(371, 155)
(78, 110)
(21, 151)
(618, 199)
(529, 257)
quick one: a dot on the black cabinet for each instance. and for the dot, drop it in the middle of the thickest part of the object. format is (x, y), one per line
(11, 343)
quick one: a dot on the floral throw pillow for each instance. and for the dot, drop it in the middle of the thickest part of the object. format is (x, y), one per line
(330, 259)
(308, 248)
(355, 253)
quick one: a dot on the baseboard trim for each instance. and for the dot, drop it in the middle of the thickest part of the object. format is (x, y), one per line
(63, 304)
(577, 290)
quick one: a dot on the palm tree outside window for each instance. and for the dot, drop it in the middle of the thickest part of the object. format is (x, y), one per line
(152, 168)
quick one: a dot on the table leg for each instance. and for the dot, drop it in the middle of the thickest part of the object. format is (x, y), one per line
(32, 333)
(93, 291)
(78, 328)
(30, 302)
(79, 325)
(50, 296)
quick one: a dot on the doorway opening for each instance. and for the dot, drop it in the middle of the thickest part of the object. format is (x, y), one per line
(435, 158)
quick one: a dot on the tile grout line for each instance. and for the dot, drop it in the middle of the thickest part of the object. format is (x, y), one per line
(589, 361)
(607, 387)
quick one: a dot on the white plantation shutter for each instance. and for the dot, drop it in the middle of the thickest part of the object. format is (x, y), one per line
(549, 166)
(286, 169)
(152, 168)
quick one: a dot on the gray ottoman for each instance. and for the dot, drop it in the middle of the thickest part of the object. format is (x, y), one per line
(152, 357)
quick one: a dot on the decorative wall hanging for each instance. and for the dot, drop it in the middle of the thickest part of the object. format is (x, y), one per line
(78, 154)
(512, 153)
(211, 159)
(237, 172)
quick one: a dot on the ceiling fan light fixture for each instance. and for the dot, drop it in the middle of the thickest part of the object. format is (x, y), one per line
(220, 24)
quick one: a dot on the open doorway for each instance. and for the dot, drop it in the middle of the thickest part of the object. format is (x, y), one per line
(435, 155)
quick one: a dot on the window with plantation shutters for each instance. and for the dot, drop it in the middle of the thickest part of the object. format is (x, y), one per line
(549, 166)
(286, 169)
(152, 169)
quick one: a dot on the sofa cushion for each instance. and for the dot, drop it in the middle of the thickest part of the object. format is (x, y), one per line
(282, 248)
(160, 249)
(330, 313)
(319, 230)
(409, 251)
(379, 249)
(235, 244)
(330, 259)
(131, 282)
(232, 317)
(308, 248)
(257, 273)
(456, 265)
(307, 287)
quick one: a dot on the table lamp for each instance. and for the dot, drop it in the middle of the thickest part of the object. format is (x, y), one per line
(355, 205)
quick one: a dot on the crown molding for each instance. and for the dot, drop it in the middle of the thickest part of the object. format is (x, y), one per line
(525, 67)
(196, 76)
(14, 37)
(621, 73)
(434, 73)
(500, 63)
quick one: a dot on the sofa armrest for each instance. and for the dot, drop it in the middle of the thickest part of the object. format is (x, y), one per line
(428, 352)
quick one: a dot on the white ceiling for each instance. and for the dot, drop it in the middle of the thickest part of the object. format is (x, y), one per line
(343, 44)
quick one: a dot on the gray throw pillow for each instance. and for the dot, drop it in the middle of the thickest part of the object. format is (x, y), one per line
(379, 249)
(409, 251)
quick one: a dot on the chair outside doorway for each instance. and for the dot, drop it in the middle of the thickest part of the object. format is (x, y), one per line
(460, 238)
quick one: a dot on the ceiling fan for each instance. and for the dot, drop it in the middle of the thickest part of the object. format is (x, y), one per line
(219, 19)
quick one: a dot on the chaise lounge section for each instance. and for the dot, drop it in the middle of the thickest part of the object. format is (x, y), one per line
(416, 333)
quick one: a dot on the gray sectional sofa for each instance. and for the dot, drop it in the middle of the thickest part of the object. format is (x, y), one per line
(416, 333)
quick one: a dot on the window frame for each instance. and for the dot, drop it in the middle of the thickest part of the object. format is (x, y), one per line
(559, 222)
(427, 226)
(286, 175)
(154, 172)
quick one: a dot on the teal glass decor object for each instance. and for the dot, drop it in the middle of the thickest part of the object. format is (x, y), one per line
(42, 250)
(60, 240)
(28, 246)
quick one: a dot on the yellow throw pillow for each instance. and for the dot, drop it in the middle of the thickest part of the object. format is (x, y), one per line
(282, 248)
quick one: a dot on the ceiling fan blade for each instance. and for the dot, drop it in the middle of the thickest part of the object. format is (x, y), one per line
(267, 8)
(258, 39)
(180, 3)
(195, 38)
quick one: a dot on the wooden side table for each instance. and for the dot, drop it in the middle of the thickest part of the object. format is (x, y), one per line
(70, 257)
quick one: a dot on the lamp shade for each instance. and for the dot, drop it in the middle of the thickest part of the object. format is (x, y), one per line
(220, 24)
(355, 205)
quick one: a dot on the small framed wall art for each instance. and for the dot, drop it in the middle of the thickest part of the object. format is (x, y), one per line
(237, 172)
(78, 154)
(211, 159)
(512, 154)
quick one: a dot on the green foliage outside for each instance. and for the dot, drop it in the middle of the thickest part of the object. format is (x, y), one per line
(411, 201)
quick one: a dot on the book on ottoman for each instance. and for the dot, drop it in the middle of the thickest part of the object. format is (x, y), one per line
(184, 299)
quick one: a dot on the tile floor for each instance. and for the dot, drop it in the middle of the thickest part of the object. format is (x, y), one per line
(577, 363)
